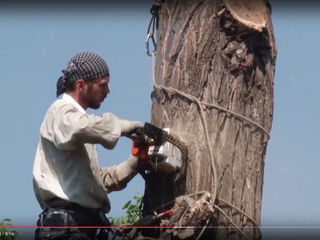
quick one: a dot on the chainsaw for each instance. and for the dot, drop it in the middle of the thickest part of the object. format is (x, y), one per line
(165, 151)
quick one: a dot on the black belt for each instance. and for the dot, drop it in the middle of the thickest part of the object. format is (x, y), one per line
(63, 204)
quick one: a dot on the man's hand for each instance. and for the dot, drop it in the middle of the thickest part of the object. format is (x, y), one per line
(128, 127)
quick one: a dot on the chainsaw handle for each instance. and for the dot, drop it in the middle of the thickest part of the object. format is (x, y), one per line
(139, 137)
(148, 135)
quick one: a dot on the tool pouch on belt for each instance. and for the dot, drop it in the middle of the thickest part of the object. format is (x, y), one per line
(66, 217)
(53, 218)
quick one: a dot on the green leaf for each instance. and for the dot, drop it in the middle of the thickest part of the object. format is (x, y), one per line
(6, 234)
(126, 205)
(133, 212)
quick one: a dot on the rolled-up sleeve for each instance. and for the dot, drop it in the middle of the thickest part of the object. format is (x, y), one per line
(116, 177)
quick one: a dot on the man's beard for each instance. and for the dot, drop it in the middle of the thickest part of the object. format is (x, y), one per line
(90, 99)
(94, 105)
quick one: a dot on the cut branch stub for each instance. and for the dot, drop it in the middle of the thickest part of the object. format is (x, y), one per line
(250, 13)
(189, 212)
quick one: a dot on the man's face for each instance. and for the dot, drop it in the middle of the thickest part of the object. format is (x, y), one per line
(96, 91)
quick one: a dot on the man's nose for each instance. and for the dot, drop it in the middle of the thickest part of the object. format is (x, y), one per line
(107, 90)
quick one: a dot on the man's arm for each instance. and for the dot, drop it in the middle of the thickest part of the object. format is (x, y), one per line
(116, 177)
(70, 127)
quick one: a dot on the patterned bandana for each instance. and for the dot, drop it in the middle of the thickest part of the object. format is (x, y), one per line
(84, 65)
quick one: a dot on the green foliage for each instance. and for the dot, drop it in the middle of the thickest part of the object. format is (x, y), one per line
(7, 234)
(133, 213)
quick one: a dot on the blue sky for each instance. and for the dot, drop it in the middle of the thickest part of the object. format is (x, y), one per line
(290, 194)
(37, 43)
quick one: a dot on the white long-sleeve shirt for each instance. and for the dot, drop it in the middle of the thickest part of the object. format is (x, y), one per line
(66, 163)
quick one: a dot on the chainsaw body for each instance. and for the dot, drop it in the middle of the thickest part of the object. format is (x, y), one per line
(165, 158)
(165, 152)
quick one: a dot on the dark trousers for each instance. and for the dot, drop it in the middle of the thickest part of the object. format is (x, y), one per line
(61, 213)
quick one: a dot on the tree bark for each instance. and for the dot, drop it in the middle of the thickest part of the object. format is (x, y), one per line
(221, 52)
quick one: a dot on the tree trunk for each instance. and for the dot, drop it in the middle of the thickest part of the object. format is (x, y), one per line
(223, 53)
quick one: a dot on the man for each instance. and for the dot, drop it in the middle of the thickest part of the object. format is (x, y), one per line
(69, 185)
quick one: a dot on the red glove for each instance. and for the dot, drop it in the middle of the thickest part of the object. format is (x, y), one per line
(141, 153)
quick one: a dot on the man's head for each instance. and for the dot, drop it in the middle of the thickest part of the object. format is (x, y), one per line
(86, 78)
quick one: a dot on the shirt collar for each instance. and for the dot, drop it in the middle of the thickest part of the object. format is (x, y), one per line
(70, 99)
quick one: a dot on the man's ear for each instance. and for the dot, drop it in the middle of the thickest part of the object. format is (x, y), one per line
(80, 84)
